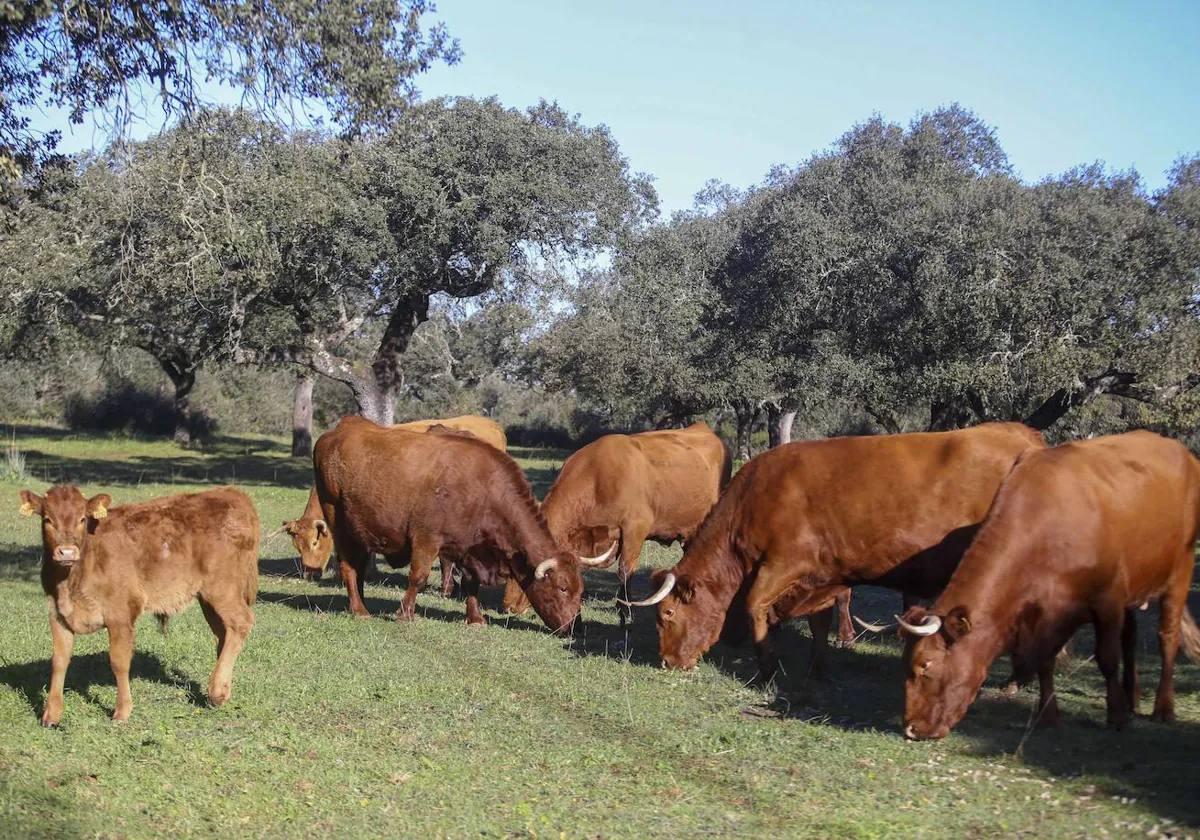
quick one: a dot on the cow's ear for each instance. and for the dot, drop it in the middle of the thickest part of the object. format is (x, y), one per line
(957, 623)
(97, 506)
(322, 527)
(31, 503)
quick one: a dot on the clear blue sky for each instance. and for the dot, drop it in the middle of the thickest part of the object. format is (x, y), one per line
(706, 89)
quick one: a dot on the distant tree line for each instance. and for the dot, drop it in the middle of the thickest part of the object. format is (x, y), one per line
(477, 257)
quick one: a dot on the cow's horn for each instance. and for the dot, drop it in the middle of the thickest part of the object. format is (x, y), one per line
(543, 567)
(873, 628)
(928, 627)
(663, 592)
(602, 560)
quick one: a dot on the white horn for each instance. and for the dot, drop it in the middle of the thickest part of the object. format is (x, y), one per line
(930, 626)
(603, 559)
(543, 567)
(874, 628)
(663, 592)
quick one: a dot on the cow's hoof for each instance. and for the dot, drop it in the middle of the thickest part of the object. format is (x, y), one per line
(1163, 715)
(477, 622)
(121, 715)
(1010, 689)
(49, 721)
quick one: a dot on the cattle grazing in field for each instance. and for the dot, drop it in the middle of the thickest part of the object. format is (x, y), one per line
(629, 488)
(310, 533)
(411, 497)
(1085, 532)
(801, 522)
(104, 566)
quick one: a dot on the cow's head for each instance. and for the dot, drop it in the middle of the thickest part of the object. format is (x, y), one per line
(67, 520)
(555, 586)
(943, 671)
(690, 618)
(555, 589)
(314, 542)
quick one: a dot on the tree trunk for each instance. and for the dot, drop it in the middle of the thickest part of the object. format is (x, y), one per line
(377, 396)
(183, 381)
(302, 416)
(779, 425)
(745, 414)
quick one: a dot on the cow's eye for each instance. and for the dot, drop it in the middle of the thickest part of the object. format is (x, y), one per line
(669, 613)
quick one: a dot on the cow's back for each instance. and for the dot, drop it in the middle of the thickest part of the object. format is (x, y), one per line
(867, 504)
(1112, 508)
(484, 428)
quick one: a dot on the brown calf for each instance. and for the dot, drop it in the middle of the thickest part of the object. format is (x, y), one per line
(104, 566)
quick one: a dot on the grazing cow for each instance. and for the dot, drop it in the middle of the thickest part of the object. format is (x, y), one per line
(1084, 532)
(310, 534)
(411, 496)
(629, 488)
(801, 522)
(104, 566)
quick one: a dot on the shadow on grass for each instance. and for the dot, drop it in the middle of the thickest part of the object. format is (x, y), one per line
(223, 460)
(31, 678)
(20, 561)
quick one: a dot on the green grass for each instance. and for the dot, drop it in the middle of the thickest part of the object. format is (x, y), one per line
(369, 727)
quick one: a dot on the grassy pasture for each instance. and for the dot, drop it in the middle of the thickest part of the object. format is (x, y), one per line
(431, 728)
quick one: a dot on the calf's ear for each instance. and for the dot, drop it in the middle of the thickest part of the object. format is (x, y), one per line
(31, 503)
(957, 623)
(97, 506)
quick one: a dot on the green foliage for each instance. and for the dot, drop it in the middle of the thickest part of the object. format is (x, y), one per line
(358, 58)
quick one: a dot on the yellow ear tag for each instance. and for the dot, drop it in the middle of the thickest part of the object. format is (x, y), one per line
(26, 509)
(100, 512)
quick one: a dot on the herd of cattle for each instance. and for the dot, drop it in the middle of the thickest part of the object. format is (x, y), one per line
(1016, 545)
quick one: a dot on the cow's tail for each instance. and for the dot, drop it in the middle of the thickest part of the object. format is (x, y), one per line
(163, 620)
(1189, 636)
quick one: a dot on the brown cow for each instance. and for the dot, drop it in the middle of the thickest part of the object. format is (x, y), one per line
(802, 521)
(412, 496)
(104, 566)
(653, 485)
(310, 534)
(1085, 532)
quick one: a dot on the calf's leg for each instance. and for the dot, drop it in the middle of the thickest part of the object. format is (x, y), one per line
(64, 641)
(231, 622)
(120, 655)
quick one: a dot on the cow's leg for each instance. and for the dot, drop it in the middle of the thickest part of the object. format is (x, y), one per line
(819, 624)
(64, 641)
(770, 583)
(846, 634)
(470, 588)
(447, 575)
(1108, 658)
(231, 623)
(1129, 675)
(424, 552)
(1170, 609)
(353, 564)
(632, 539)
(1047, 700)
(120, 655)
